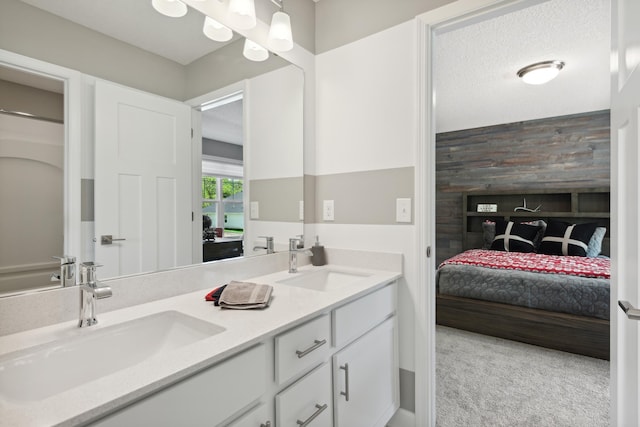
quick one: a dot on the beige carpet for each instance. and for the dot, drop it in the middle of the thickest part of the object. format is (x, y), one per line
(486, 381)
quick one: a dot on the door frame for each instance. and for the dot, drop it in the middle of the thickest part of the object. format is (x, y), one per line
(74, 133)
(446, 18)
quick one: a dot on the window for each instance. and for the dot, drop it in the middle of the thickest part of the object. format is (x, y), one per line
(222, 202)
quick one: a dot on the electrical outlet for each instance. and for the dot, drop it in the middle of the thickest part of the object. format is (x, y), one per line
(327, 210)
(403, 210)
(255, 210)
(301, 210)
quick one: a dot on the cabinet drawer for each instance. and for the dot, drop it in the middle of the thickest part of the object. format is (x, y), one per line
(354, 319)
(302, 348)
(257, 417)
(204, 399)
(308, 402)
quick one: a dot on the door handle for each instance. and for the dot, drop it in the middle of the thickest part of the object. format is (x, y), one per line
(629, 310)
(107, 239)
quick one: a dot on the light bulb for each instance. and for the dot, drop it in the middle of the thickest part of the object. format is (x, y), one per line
(171, 8)
(254, 52)
(216, 31)
(242, 14)
(280, 37)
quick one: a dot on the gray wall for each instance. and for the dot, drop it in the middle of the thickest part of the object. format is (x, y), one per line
(27, 99)
(554, 153)
(339, 22)
(221, 149)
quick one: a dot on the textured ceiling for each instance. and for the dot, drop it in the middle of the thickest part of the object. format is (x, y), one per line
(475, 67)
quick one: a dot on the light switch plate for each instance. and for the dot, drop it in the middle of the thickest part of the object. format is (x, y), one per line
(403, 210)
(327, 210)
(255, 210)
(301, 210)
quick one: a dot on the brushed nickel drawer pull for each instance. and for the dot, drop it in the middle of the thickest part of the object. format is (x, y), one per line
(315, 345)
(313, 416)
(345, 393)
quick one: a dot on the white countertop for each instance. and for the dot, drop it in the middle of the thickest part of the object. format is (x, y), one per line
(289, 306)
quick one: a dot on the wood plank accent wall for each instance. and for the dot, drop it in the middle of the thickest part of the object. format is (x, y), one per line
(553, 153)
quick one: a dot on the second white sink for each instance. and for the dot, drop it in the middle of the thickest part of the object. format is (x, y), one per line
(323, 280)
(42, 371)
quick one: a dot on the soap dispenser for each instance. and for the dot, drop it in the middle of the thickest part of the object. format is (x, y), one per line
(317, 254)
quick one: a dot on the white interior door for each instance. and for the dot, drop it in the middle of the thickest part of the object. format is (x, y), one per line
(625, 193)
(142, 181)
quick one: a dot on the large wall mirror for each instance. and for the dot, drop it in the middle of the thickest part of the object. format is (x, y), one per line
(246, 166)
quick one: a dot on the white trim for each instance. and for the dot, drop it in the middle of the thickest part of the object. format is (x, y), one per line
(73, 124)
(445, 18)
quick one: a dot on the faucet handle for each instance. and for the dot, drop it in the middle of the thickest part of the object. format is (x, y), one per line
(88, 272)
(65, 259)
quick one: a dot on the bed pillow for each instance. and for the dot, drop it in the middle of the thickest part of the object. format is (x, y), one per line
(562, 238)
(595, 244)
(512, 237)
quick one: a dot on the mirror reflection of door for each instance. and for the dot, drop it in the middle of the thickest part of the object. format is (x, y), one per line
(31, 179)
(222, 178)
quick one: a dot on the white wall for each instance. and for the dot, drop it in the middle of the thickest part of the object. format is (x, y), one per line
(366, 121)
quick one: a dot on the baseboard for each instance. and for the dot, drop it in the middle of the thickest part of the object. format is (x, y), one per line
(402, 418)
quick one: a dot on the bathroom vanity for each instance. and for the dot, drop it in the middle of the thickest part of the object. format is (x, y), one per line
(324, 353)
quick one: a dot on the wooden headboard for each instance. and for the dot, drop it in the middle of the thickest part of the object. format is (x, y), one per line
(571, 205)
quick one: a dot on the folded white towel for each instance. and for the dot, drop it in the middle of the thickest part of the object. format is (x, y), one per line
(245, 295)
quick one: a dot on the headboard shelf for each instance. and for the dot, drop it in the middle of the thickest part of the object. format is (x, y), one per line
(570, 205)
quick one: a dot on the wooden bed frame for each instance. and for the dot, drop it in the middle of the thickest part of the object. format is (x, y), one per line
(566, 332)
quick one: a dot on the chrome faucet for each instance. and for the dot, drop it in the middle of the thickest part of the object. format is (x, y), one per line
(67, 274)
(296, 246)
(269, 244)
(90, 291)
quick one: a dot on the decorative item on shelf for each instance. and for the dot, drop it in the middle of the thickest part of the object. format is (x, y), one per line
(525, 208)
(540, 72)
(487, 207)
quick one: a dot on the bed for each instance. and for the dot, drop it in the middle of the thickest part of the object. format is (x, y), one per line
(556, 299)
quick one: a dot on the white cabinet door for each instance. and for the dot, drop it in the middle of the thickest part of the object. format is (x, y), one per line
(365, 378)
(207, 398)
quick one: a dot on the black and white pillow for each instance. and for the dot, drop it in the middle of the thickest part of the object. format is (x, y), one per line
(562, 238)
(512, 237)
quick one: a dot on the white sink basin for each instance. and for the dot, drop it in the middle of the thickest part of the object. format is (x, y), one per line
(323, 280)
(42, 371)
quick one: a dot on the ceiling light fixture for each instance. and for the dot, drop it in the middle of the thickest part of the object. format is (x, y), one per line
(280, 37)
(254, 52)
(171, 8)
(216, 31)
(540, 72)
(242, 14)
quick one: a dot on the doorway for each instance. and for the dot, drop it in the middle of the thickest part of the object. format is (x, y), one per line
(444, 20)
(32, 165)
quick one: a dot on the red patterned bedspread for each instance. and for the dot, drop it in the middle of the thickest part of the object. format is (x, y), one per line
(599, 268)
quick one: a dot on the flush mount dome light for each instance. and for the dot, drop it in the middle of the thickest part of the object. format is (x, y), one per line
(540, 72)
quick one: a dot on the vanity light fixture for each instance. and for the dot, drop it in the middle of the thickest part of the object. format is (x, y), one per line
(280, 38)
(254, 52)
(216, 31)
(540, 72)
(242, 14)
(171, 8)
